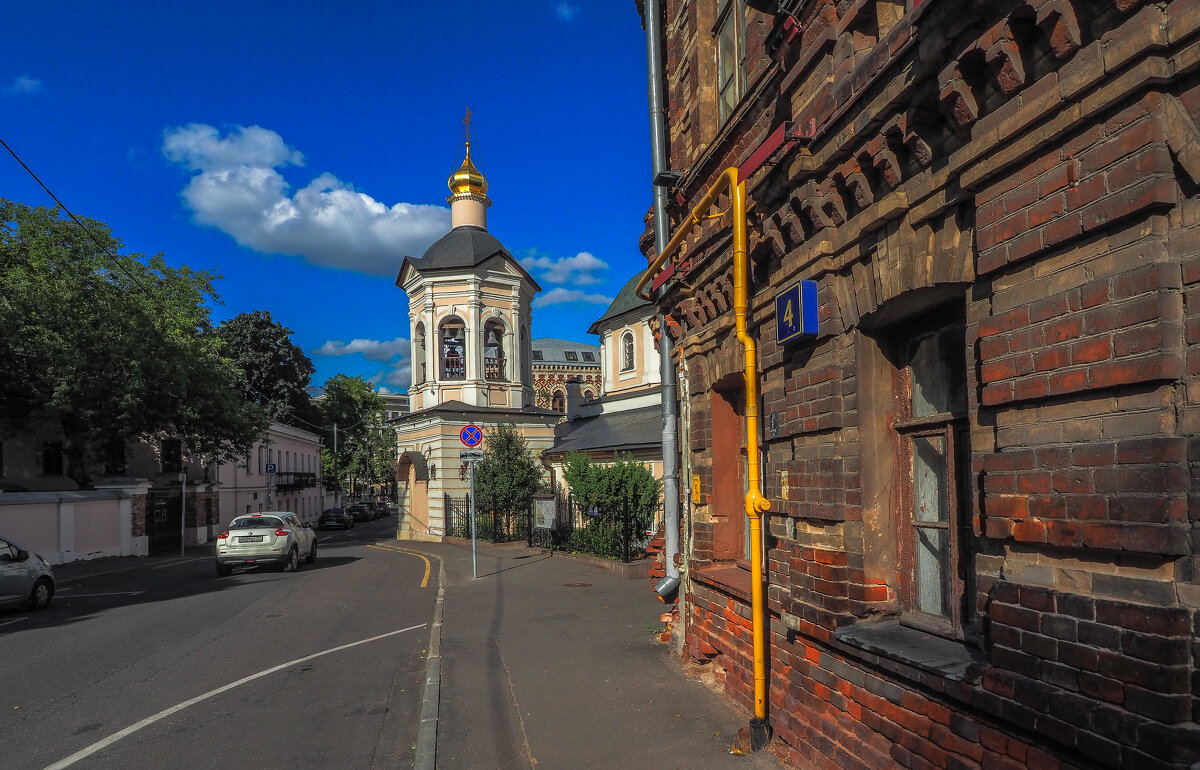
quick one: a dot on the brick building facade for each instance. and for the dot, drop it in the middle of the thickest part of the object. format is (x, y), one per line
(980, 548)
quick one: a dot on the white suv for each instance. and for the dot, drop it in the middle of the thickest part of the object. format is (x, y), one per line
(275, 538)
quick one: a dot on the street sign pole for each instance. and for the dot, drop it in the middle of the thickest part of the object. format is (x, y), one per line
(474, 562)
(471, 437)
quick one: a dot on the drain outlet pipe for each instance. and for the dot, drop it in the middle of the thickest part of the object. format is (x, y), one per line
(668, 587)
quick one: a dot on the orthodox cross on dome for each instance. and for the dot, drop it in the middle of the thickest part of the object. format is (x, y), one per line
(467, 126)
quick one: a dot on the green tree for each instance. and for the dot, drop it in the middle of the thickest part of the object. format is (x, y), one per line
(112, 347)
(622, 495)
(275, 372)
(353, 406)
(508, 476)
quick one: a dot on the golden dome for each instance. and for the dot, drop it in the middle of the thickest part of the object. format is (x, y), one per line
(468, 180)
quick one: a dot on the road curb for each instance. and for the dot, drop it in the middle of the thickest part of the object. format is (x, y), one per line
(426, 757)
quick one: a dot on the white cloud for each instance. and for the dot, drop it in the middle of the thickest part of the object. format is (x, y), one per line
(398, 377)
(562, 296)
(23, 84)
(239, 191)
(579, 270)
(373, 350)
(566, 11)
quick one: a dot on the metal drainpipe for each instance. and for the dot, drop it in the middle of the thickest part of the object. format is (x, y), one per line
(756, 504)
(670, 443)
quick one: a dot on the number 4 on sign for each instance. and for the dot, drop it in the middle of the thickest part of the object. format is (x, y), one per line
(796, 312)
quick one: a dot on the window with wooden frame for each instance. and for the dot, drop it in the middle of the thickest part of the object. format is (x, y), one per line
(627, 352)
(730, 33)
(932, 435)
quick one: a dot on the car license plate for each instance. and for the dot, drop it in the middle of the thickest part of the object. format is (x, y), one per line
(251, 539)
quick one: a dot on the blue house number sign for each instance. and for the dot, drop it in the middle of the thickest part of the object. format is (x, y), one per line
(796, 312)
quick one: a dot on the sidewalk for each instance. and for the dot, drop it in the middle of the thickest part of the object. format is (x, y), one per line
(83, 569)
(551, 661)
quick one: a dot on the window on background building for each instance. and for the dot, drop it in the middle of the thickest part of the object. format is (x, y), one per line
(494, 358)
(731, 50)
(571, 355)
(262, 453)
(114, 457)
(172, 455)
(453, 349)
(52, 458)
(587, 395)
(559, 402)
(932, 429)
(627, 352)
(537, 355)
(589, 357)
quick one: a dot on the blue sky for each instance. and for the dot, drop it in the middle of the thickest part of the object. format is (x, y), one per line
(301, 149)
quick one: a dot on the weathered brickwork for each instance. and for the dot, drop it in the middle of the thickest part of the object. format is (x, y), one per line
(1030, 170)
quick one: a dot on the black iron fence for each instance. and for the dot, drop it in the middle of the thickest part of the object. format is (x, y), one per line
(574, 528)
(588, 530)
(489, 525)
(164, 520)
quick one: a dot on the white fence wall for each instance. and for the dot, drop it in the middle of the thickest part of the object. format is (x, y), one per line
(67, 526)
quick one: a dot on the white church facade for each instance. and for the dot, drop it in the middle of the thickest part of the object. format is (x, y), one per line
(470, 315)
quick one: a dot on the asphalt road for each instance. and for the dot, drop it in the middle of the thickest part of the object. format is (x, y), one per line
(221, 672)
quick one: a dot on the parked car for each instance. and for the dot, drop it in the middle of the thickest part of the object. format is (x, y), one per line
(272, 538)
(361, 513)
(25, 577)
(335, 518)
(380, 508)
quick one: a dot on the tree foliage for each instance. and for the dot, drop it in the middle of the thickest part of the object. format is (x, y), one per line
(275, 372)
(111, 346)
(620, 492)
(508, 476)
(357, 411)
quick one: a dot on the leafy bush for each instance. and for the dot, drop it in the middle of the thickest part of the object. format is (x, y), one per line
(620, 496)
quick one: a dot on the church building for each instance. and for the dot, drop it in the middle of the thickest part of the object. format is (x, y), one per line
(469, 309)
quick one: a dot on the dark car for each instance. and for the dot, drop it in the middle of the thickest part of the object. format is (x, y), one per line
(335, 518)
(380, 508)
(361, 513)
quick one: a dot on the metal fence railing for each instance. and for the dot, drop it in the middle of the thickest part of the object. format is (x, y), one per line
(163, 520)
(489, 525)
(587, 530)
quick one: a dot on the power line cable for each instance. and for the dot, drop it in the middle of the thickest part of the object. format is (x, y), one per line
(121, 266)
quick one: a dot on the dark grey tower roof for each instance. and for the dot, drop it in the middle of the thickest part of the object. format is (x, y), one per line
(463, 248)
(626, 300)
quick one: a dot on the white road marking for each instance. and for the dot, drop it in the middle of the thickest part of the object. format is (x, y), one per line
(11, 620)
(101, 744)
(113, 593)
(177, 562)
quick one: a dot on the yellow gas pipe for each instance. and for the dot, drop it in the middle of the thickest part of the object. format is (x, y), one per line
(756, 504)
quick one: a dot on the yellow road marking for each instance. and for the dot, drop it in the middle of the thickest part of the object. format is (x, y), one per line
(424, 580)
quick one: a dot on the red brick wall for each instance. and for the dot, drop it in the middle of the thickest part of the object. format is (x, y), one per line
(1042, 160)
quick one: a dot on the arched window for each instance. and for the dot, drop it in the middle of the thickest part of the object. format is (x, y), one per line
(453, 349)
(419, 353)
(627, 352)
(559, 402)
(526, 355)
(587, 395)
(494, 358)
